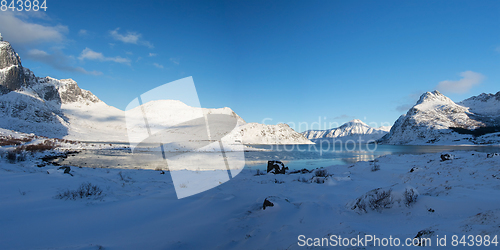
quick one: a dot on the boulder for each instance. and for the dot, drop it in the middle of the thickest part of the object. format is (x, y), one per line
(446, 157)
(66, 169)
(423, 234)
(267, 203)
(276, 167)
(491, 155)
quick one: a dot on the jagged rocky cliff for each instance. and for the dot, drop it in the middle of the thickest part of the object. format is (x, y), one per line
(436, 119)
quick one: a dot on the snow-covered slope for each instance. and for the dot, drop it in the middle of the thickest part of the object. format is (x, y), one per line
(59, 108)
(354, 130)
(256, 133)
(437, 119)
(172, 112)
(484, 104)
(138, 209)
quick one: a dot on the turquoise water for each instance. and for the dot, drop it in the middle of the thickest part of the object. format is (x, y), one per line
(294, 156)
(312, 156)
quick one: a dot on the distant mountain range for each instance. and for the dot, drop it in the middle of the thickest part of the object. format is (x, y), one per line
(436, 119)
(355, 130)
(60, 109)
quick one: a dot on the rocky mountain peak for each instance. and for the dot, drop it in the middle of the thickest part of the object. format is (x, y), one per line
(353, 124)
(355, 121)
(13, 77)
(11, 69)
(8, 57)
(433, 96)
(435, 118)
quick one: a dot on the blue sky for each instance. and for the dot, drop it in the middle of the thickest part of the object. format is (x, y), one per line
(290, 61)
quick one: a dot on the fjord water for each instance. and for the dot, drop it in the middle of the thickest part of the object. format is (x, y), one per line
(317, 155)
(294, 156)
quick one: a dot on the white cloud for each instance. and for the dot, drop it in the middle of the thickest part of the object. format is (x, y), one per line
(17, 29)
(89, 54)
(58, 61)
(130, 37)
(498, 49)
(469, 80)
(34, 14)
(37, 53)
(83, 33)
(147, 44)
(152, 54)
(158, 65)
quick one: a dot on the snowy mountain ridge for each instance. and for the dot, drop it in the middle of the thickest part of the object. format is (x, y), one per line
(60, 108)
(256, 133)
(436, 119)
(483, 104)
(353, 130)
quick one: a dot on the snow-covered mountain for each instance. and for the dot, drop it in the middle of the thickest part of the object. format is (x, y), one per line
(354, 130)
(50, 107)
(172, 112)
(256, 133)
(484, 104)
(59, 108)
(436, 119)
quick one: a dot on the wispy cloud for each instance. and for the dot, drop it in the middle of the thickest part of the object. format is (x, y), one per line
(83, 33)
(130, 37)
(42, 15)
(58, 61)
(343, 117)
(406, 102)
(404, 107)
(89, 54)
(17, 29)
(497, 49)
(158, 65)
(152, 54)
(469, 79)
(175, 60)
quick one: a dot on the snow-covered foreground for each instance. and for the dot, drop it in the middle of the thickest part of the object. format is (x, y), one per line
(138, 209)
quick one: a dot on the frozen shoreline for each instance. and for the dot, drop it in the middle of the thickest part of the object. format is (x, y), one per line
(139, 208)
